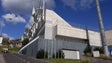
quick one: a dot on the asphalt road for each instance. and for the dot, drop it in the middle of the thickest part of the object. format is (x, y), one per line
(15, 58)
(1, 59)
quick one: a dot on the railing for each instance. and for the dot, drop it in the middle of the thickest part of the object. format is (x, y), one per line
(28, 44)
(33, 39)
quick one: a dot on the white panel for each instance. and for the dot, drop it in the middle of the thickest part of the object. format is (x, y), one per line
(71, 54)
(94, 38)
(71, 32)
(1, 38)
(96, 54)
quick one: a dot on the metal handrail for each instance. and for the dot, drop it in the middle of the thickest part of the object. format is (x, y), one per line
(28, 44)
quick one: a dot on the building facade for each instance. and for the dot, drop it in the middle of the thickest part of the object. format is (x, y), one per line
(50, 32)
(108, 34)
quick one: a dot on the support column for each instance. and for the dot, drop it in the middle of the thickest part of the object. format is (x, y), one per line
(102, 32)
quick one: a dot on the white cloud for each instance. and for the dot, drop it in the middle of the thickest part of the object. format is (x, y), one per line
(2, 24)
(70, 3)
(24, 6)
(79, 4)
(86, 3)
(14, 18)
(7, 36)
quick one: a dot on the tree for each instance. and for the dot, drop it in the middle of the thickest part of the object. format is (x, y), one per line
(25, 41)
(5, 41)
(88, 49)
(100, 49)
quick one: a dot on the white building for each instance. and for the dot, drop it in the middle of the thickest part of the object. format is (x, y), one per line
(51, 33)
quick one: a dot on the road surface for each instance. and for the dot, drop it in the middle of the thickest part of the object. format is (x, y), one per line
(1, 59)
(15, 58)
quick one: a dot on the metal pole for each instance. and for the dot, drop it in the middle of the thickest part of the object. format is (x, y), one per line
(102, 32)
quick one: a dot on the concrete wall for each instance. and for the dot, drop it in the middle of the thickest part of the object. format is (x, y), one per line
(94, 38)
(50, 30)
(71, 43)
(51, 46)
(55, 18)
(55, 25)
(109, 37)
(62, 43)
(71, 32)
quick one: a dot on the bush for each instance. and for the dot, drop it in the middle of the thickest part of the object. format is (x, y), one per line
(100, 49)
(14, 50)
(59, 54)
(103, 56)
(87, 50)
(89, 54)
(5, 41)
(41, 54)
(25, 41)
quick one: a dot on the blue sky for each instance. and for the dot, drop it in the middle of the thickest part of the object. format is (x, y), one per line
(82, 12)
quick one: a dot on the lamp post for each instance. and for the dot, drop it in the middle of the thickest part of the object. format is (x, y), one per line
(102, 32)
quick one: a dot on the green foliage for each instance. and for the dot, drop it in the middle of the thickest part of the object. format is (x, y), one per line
(41, 54)
(59, 54)
(87, 50)
(25, 41)
(14, 50)
(100, 49)
(5, 41)
(103, 56)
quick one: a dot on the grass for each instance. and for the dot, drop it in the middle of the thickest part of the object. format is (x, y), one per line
(13, 50)
(66, 61)
(102, 56)
(10, 50)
